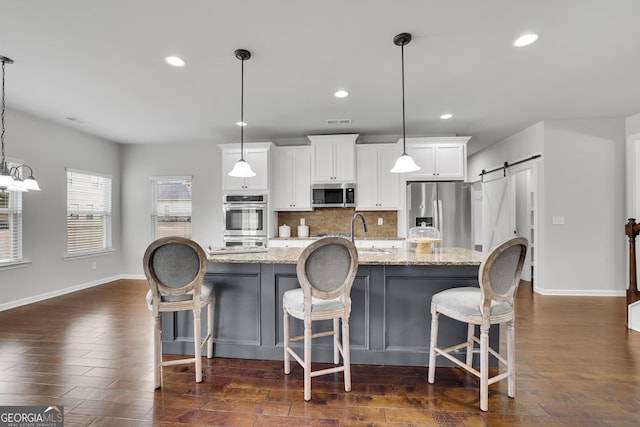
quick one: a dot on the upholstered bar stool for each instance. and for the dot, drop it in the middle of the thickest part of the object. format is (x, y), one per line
(326, 270)
(175, 269)
(491, 303)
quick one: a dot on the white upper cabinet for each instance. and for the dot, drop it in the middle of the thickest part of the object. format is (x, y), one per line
(291, 178)
(333, 158)
(377, 188)
(441, 158)
(257, 155)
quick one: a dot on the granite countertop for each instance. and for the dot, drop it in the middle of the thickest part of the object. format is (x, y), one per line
(441, 256)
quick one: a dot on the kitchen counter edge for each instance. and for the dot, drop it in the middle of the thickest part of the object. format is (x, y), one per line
(387, 256)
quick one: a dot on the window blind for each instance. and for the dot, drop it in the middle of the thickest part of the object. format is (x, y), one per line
(171, 206)
(88, 212)
(10, 226)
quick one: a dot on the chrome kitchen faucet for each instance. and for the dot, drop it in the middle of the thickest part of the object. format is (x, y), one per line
(353, 220)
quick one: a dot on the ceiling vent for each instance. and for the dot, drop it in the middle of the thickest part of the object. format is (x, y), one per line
(338, 121)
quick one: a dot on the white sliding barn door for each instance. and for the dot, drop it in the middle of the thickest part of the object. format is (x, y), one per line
(496, 210)
(508, 210)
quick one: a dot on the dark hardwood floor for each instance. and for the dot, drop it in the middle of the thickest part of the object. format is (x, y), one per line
(90, 351)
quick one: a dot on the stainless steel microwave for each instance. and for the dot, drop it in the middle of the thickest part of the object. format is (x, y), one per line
(333, 195)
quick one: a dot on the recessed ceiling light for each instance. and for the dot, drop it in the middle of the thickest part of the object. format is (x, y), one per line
(341, 94)
(525, 40)
(241, 123)
(446, 116)
(174, 61)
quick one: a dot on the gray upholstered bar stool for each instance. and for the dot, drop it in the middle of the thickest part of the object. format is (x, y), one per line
(175, 269)
(326, 270)
(490, 304)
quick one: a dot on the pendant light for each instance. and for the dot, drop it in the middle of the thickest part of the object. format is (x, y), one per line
(242, 169)
(404, 163)
(10, 178)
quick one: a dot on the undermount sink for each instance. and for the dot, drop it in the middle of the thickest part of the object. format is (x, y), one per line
(373, 251)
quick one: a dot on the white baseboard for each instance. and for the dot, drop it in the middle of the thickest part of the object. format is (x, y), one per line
(580, 292)
(133, 277)
(24, 301)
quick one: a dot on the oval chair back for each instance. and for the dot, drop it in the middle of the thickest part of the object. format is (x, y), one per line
(326, 269)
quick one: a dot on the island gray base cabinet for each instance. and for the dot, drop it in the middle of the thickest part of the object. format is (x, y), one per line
(390, 320)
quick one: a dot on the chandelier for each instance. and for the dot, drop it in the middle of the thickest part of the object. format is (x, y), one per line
(11, 177)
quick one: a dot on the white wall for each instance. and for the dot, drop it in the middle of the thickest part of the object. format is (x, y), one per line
(139, 163)
(632, 125)
(584, 168)
(632, 130)
(580, 177)
(49, 149)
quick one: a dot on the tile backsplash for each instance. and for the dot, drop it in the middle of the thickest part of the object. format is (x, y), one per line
(338, 220)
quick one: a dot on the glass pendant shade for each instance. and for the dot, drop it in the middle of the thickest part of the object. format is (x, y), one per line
(242, 170)
(31, 184)
(18, 186)
(5, 179)
(404, 163)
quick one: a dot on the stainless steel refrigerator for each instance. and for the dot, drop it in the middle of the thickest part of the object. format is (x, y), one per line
(445, 205)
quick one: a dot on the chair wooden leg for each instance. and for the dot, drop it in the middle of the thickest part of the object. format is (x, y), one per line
(484, 367)
(346, 356)
(471, 331)
(336, 340)
(287, 356)
(511, 362)
(433, 344)
(197, 340)
(307, 359)
(210, 313)
(157, 353)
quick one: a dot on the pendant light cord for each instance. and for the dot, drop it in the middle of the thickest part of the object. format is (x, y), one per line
(242, 111)
(404, 139)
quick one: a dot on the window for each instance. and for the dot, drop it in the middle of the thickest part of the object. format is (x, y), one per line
(171, 206)
(10, 227)
(88, 212)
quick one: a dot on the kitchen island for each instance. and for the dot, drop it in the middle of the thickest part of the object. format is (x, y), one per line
(390, 316)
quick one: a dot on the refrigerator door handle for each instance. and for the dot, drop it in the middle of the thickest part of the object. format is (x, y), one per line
(440, 218)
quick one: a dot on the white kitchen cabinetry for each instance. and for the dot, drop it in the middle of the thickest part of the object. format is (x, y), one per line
(333, 158)
(291, 178)
(257, 155)
(441, 158)
(378, 189)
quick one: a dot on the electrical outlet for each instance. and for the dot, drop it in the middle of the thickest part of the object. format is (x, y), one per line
(380, 221)
(94, 265)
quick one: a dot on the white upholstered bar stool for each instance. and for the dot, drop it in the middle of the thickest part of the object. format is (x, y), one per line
(491, 303)
(175, 269)
(326, 270)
